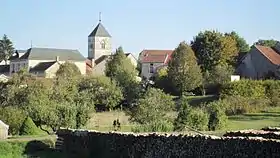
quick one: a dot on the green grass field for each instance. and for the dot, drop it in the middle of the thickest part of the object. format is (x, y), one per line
(104, 121)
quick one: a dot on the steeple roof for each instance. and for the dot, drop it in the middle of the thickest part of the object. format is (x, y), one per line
(99, 31)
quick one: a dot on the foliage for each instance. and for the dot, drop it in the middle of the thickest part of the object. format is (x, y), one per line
(162, 81)
(273, 91)
(160, 126)
(242, 45)
(217, 116)
(236, 105)
(6, 48)
(268, 43)
(120, 69)
(152, 108)
(102, 91)
(12, 116)
(68, 70)
(245, 88)
(195, 118)
(183, 71)
(220, 75)
(213, 48)
(29, 128)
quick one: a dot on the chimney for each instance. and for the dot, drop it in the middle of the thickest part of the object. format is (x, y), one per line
(57, 58)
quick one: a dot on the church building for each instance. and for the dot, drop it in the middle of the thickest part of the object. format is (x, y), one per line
(100, 49)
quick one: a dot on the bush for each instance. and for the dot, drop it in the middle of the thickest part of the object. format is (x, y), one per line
(195, 118)
(246, 88)
(29, 128)
(161, 126)
(13, 117)
(273, 91)
(217, 116)
(235, 105)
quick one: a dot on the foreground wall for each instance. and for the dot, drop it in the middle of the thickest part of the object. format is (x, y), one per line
(119, 145)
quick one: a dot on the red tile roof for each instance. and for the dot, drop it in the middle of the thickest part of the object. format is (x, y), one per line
(270, 54)
(156, 56)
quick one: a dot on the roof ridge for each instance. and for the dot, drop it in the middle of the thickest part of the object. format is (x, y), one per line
(52, 48)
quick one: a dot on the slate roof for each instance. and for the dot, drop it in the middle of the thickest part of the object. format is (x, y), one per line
(270, 54)
(52, 53)
(17, 54)
(99, 31)
(42, 66)
(155, 56)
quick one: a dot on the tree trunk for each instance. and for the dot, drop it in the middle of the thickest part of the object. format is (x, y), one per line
(44, 130)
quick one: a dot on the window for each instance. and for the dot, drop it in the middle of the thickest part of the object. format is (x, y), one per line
(151, 68)
(103, 45)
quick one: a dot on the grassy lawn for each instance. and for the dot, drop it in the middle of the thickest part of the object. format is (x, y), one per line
(103, 121)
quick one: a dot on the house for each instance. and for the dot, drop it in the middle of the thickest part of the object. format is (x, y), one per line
(260, 62)
(44, 62)
(3, 130)
(100, 50)
(152, 60)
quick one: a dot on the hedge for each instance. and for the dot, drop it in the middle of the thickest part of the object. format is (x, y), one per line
(113, 145)
(254, 133)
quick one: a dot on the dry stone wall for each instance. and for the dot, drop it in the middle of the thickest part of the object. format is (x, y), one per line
(83, 144)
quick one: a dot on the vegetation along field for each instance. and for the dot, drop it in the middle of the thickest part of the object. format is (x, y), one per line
(192, 93)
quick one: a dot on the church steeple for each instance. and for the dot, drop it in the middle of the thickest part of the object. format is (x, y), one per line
(99, 30)
(99, 42)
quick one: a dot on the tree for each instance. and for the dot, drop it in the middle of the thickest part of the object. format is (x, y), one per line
(29, 128)
(221, 74)
(162, 80)
(267, 43)
(218, 119)
(6, 48)
(183, 71)
(213, 48)
(152, 108)
(190, 117)
(102, 91)
(68, 70)
(120, 69)
(242, 45)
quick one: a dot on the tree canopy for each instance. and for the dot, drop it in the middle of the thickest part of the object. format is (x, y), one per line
(214, 48)
(6, 48)
(183, 70)
(268, 43)
(241, 44)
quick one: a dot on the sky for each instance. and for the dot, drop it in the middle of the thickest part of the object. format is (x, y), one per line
(134, 25)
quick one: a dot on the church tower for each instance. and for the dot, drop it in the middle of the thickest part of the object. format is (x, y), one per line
(99, 42)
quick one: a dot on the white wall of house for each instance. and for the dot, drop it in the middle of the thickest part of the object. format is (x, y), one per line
(16, 65)
(80, 64)
(146, 69)
(255, 65)
(51, 71)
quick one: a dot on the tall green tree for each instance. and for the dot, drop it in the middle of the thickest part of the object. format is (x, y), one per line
(151, 111)
(241, 44)
(267, 43)
(6, 48)
(214, 48)
(68, 70)
(120, 69)
(102, 91)
(183, 70)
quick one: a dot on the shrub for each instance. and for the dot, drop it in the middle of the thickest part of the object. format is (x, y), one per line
(245, 88)
(161, 126)
(29, 128)
(273, 91)
(236, 105)
(195, 118)
(13, 117)
(217, 116)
